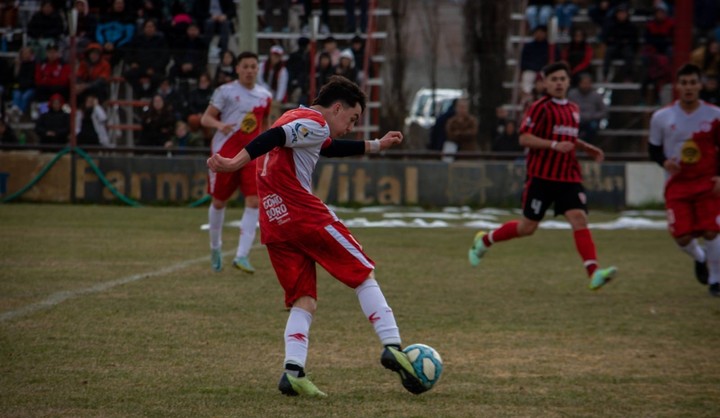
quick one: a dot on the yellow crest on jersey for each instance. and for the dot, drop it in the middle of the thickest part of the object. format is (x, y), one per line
(249, 123)
(690, 152)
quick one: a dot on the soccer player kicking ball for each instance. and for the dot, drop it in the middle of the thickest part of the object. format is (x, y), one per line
(239, 111)
(300, 231)
(684, 137)
(549, 131)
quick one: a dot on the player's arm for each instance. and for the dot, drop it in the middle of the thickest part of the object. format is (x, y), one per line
(211, 119)
(596, 153)
(656, 150)
(529, 140)
(262, 144)
(347, 148)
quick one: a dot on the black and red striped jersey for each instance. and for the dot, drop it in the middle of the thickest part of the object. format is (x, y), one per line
(555, 120)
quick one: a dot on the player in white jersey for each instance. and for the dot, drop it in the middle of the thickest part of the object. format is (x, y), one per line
(239, 111)
(684, 140)
(300, 231)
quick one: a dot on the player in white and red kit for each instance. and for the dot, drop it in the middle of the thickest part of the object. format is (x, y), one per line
(684, 140)
(239, 111)
(300, 231)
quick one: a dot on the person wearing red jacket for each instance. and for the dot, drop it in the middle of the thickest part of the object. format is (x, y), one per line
(94, 73)
(51, 76)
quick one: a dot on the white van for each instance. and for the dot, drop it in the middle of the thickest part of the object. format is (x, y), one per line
(423, 112)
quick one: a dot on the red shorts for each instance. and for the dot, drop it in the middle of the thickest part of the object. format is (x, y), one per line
(222, 185)
(692, 207)
(333, 247)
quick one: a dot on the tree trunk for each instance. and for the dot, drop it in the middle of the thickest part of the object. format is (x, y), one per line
(396, 63)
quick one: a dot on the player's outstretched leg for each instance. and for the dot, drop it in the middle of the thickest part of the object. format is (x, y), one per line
(243, 264)
(394, 359)
(298, 386)
(248, 227)
(478, 249)
(482, 241)
(601, 277)
(698, 253)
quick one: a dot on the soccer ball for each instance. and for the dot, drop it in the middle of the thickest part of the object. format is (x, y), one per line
(426, 362)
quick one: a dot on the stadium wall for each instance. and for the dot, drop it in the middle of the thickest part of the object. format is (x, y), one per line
(158, 179)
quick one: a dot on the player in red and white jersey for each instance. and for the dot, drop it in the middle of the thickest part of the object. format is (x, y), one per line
(239, 111)
(550, 131)
(684, 140)
(300, 231)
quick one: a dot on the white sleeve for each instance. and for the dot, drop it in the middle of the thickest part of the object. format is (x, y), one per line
(303, 133)
(218, 99)
(282, 85)
(656, 131)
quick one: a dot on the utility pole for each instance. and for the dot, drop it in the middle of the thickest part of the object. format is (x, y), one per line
(247, 35)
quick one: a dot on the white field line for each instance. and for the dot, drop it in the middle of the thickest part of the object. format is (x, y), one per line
(59, 297)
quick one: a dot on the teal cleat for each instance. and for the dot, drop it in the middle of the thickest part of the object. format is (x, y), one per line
(601, 277)
(478, 250)
(216, 259)
(294, 386)
(242, 263)
(398, 362)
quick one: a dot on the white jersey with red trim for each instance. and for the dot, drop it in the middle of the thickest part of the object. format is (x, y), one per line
(246, 108)
(288, 209)
(683, 138)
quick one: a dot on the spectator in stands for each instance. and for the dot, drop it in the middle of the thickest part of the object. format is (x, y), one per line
(330, 47)
(53, 126)
(565, 10)
(298, 66)
(270, 7)
(45, 27)
(346, 66)
(508, 140)
(357, 46)
(273, 75)
(621, 39)
(199, 97)
(9, 13)
(462, 128)
(658, 73)
(707, 57)
(592, 107)
(7, 135)
(225, 71)
(91, 123)
(324, 16)
(24, 85)
(710, 92)
(438, 133)
(578, 54)
(601, 11)
(150, 10)
(534, 56)
(324, 70)
(217, 15)
(190, 55)
(706, 14)
(86, 24)
(538, 13)
(173, 99)
(157, 124)
(51, 76)
(115, 31)
(183, 138)
(659, 30)
(350, 25)
(537, 92)
(93, 74)
(501, 118)
(147, 55)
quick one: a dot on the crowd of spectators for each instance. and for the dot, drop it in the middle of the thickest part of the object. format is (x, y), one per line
(172, 54)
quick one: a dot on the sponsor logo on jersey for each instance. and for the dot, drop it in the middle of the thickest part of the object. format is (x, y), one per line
(705, 126)
(576, 116)
(249, 123)
(528, 122)
(565, 130)
(275, 209)
(690, 152)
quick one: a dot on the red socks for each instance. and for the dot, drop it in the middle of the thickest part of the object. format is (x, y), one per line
(508, 230)
(586, 248)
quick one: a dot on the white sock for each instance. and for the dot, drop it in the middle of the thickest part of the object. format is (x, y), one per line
(712, 250)
(695, 251)
(378, 312)
(216, 218)
(297, 330)
(248, 226)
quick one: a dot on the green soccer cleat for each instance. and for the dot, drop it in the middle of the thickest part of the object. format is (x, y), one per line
(216, 259)
(398, 362)
(601, 277)
(242, 263)
(302, 386)
(478, 250)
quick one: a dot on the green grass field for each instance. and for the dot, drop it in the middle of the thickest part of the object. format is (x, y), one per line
(136, 324)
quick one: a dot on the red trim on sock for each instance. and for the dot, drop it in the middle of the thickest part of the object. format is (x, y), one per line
(507, 231)
(586, 248)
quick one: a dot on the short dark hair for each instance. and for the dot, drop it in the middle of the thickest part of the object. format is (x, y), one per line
(689, 69)
(555, 66)
(339, 88)
(246, 54)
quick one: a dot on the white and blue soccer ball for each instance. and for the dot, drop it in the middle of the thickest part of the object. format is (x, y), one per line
(427, 363)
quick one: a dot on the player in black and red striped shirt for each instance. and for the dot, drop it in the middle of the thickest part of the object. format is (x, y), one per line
(549, 131)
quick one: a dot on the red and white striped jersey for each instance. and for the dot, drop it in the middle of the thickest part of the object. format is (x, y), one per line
(244, 107)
